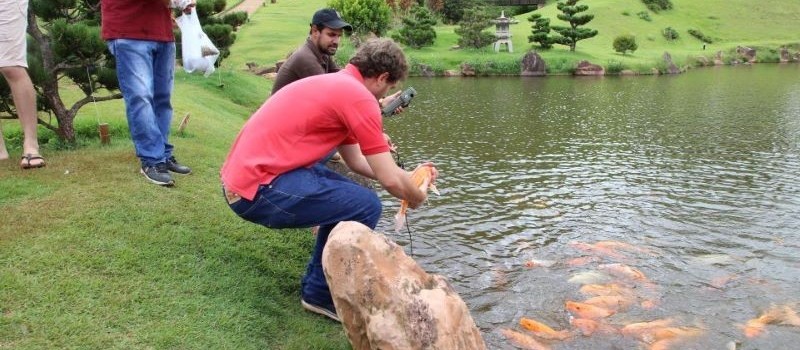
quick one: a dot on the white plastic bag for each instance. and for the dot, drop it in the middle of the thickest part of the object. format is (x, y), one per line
(197, 50)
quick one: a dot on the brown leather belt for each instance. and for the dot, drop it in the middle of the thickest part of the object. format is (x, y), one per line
(231, 197)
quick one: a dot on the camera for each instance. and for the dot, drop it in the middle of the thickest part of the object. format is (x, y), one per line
(403, 100)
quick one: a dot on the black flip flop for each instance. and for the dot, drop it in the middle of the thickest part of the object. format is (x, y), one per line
(28, 158)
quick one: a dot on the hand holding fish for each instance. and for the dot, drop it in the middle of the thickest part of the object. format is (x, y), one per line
(424, 177)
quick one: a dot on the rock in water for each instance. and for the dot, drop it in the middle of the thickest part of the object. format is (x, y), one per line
(386, 301)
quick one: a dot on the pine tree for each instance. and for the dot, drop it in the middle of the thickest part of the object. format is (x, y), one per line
(417, 28)
(540, 31)
(471, 28)
(570, 36)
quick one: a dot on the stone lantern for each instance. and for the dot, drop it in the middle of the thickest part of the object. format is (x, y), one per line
(502, 33)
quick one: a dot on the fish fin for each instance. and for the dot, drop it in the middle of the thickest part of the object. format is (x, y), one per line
(399, 221)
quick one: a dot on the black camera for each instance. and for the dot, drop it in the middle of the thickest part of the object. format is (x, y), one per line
(403, 100)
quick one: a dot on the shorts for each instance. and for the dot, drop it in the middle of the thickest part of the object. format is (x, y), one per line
(13, 36)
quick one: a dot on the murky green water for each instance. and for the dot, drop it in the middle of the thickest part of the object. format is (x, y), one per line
(702, 170)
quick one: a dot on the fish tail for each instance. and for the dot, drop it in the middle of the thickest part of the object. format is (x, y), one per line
(400, 218)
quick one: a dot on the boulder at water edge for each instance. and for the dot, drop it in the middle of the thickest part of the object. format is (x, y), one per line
(386, 301)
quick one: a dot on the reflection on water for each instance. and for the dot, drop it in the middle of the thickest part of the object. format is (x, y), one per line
(700, 169)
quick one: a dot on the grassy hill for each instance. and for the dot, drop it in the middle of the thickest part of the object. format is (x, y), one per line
(93, 256)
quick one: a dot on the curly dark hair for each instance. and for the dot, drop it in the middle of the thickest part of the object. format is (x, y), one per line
(378, 56)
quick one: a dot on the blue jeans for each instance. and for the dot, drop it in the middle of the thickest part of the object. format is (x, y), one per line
(308, 197)
(145, 72)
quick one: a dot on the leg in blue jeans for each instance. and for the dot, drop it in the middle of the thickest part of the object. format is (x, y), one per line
(308, 197)
(145, 72)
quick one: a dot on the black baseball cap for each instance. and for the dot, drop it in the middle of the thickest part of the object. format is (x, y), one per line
(330, 18)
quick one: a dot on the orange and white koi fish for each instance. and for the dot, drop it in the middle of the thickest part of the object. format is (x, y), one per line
(622, 270)
(610, 302)
(542, 330)
(423, 177)
(582, 310)
(607, 289)
(589, 327)
(523, 341)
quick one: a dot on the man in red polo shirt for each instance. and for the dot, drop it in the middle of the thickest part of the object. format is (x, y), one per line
(272, 174)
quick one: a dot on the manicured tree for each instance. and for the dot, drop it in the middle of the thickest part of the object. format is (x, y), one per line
(417, 28)
(624, 43)
(65, 46)
(471, 28)
(435, 5)
(366, 16)
(540, 32)
(570, 13)
(453, 10)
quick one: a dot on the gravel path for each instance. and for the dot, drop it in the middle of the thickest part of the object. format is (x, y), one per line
(249, 6)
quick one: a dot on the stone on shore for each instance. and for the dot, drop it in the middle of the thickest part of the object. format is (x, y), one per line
(386, 301)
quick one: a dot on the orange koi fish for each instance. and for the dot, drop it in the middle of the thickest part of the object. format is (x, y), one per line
(640, 328)
(597, 250)
(523, 341)
(622, 246)
(542, 330)
(774, 315)
(422, 177)
(582, 310)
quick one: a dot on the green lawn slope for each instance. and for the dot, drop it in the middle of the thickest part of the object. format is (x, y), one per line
(92, 256)
(764, 24)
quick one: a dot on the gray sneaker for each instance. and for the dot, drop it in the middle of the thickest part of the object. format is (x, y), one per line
(158, 174)
(175, 167)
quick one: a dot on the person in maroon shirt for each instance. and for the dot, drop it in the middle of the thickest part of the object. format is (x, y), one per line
(139, 35)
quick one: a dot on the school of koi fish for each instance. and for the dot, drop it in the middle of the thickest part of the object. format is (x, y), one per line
(613, 287)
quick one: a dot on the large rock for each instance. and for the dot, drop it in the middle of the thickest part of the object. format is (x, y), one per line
(586, 68)
(386, 301)
(785, 56)
(718, 59)
(533, 65)
(467, 70)
(671, 68)
(748, 54)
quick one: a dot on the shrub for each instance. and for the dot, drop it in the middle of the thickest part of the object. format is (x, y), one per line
(624, 43)
(699, 35)
(366, 16)
(235, 19)
(644, 15)
(614, 67)
(658, 5)
(669, 33)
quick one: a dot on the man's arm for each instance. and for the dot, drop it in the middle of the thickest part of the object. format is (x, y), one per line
(382, 167)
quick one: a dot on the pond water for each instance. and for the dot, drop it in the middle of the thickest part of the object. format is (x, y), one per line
(695, 179)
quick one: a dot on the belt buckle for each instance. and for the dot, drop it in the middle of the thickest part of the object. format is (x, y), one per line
(230, 196)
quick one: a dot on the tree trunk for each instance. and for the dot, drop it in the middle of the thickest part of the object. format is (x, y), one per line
(66, 130)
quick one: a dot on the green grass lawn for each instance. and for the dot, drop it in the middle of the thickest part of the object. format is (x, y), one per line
(93, 256)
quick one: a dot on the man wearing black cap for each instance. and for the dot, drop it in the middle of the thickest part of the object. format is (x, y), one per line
(315, 57)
